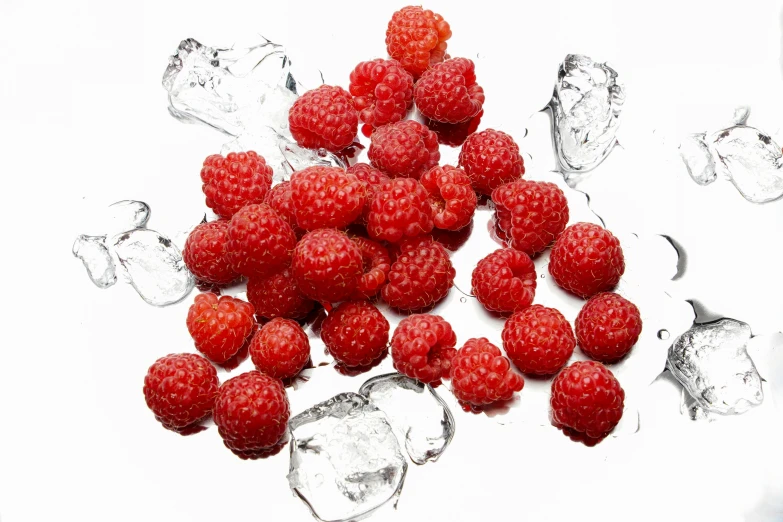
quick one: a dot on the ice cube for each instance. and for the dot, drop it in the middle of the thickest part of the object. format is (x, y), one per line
(698, 159)
(586, 109)
(712, 363)
(416, 412)
(752, 160)
(154, 266)
(128, 214)
(235, 90)
(345, 460)
(96, 259)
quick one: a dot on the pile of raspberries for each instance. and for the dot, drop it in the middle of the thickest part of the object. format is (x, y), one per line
(342, 239)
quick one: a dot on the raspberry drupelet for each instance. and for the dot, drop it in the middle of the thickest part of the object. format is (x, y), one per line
(233, 181)
(447, 92)
(423, 346)
(377, 264)
(417, 38)
(324, 118)
(372, 179)
(404, 149)
(280, 199)
(505, 281)
(382, 91)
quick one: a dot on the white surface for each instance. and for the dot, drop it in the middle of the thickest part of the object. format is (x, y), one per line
(84, 124)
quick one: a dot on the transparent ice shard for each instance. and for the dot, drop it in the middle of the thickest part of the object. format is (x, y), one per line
(698, 159)
(282, 154)
(154, 266)
(586, 108)
(236, 90)
(128, 214)
(345, 460)
(417, 413)
(752, 160)
(96, 259)
(712, 363)
(691, 407)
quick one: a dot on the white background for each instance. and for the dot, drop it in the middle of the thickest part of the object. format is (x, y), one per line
(84, 124)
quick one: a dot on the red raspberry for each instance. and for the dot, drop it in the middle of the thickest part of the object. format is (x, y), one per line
(417, 38)
(423, 347)
(480, 375)
(377, 264)
(452, 198)
(232, 182)
(205, 253)
(219, 327)
(586, 259)
(324, 118)
(404, 149)
(607, 327)
(454, 134)
(355, 333)
(505, 281)
(587, 398)
(382, 91)
(251, 412)
(260, 242)
(448, 92)
(326, 197)
(279, 198)
(421, 276)
(280, 348)
(277, 295)
(400, 209)
(327, 265)
(373, 179)
(532, 214)
(180, 389)
(491, 158)
(538, 340)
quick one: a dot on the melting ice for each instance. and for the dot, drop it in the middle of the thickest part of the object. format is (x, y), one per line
(345, 460)
(417, 413)
(96, 259)
(712, 363)
(586, 108)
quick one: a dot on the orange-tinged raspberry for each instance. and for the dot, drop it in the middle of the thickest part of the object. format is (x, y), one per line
(417, 38)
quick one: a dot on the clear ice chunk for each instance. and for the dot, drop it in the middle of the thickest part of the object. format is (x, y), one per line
(752, 160)
(154, 266)
(698, 159)
(282, 154)
(236, 90)
(586, 108)
(128, 214)
(417, 413)
(92, 251)
(711, 361)
(345, 460)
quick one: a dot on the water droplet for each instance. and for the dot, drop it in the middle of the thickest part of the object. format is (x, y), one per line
(542, 276)
(463, 300)
(663, 334)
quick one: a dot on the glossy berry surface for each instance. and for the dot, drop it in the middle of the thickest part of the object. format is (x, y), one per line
(607, 327)
(324, 118)
(505, 281)
(280, 348)
(538, 340)
(219, 326)
(423, 346)
(481, 375)
(356, 333)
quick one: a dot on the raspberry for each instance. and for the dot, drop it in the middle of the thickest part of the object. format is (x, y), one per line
(205, 253)
(453, 240)
(452, 198)
(404, 149)
(355, 333)
(280, 348)
(532, 214)
(587, 398)
(251, 412)
(421, 276)
(277, 295)
(326, 197)
(481, 375)
(324, 118)
(279, 198)
(607, 327)
(423, 347)
(382, 91)
(455, 134)
(327, 265)
(180, 389)
(260, 242)
(505, 281)
(448, 92)
(538, 340)
(377, 264)
(373, 179)
(586, 259)
(400, 209)
(219, 327)
(231, 182)
(417, 38)
(491, 158)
